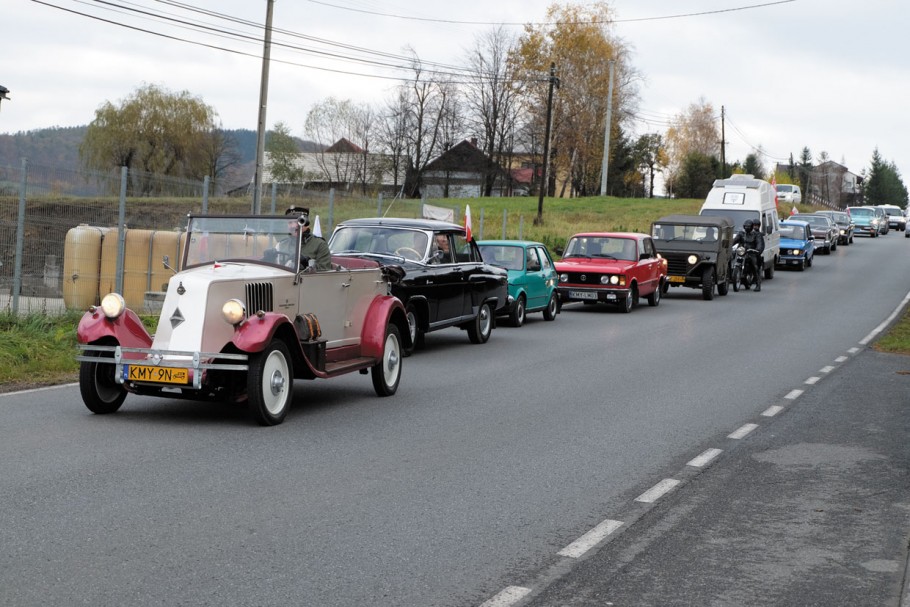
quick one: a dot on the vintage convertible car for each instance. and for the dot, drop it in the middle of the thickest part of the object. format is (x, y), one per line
(611, 267)
(444, 279)
(532, 277)
(241, 320)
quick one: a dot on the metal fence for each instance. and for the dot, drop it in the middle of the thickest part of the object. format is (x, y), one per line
(47, 213)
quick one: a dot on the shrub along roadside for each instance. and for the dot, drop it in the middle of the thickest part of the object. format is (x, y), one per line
(40, 350)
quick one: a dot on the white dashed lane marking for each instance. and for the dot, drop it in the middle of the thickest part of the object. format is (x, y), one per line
(657, 491)
(590, 539)
(744, 431)
(772, 411)
(827, 369)
(793, 394)
(705, 458)
(812, 380)
(509, 596)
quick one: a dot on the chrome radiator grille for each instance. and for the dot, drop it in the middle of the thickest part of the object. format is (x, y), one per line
(258, 297)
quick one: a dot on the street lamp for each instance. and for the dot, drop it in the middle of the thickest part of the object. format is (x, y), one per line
(3, 93)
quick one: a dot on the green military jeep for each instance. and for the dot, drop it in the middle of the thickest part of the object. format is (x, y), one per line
(698, 250)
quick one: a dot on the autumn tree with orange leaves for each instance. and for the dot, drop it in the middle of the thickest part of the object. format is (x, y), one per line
(579, 40)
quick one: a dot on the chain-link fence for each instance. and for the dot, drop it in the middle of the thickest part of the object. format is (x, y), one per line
(60, 246)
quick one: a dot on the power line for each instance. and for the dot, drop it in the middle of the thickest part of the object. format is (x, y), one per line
(446, 76)
(514, 23)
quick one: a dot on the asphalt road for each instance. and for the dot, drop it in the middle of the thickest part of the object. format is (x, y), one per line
(488, 461)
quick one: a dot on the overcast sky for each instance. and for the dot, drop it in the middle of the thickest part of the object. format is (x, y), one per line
(828, 74)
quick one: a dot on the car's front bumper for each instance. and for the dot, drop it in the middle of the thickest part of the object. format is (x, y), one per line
(598, 294)
(792, 260)
(161, 368)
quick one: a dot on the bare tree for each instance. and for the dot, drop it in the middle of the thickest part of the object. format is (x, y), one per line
(493, 97)
(331, 122)
(393, 129)
(426, 104)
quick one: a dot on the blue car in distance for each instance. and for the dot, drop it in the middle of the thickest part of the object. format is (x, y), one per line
(532, 277)
(797, 246)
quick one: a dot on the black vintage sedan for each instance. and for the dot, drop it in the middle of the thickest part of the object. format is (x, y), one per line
(443, 280)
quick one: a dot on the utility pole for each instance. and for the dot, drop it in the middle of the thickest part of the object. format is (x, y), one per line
(263, 101)
(544, 173)
(723, 146)
(603, 170)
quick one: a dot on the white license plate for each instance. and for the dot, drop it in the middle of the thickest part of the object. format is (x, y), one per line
(583, 295)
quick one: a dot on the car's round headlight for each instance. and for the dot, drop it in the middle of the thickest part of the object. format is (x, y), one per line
(234, 311)
(604, 279)
(113, 305)
(563, 278)
(614, 280)
(693, 259)
(795, 252)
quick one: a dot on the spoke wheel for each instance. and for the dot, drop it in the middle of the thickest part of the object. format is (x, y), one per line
(387, 372)
(100, 391)
(270, 384)
(480, 329)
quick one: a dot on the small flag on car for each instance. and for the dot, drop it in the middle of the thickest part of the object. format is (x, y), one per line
(467, 223)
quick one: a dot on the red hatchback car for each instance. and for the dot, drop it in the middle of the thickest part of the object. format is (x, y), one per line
(611, 267)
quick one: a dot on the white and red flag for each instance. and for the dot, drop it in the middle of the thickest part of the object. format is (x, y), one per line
(467, 223)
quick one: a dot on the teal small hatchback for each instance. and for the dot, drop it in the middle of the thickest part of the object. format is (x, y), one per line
(532, 277)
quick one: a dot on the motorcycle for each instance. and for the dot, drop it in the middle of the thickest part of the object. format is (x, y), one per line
(743, 273)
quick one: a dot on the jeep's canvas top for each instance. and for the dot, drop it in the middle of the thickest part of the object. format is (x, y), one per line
(676, 231)
(698, 220)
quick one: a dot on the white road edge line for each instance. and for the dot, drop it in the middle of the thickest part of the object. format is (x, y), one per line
(827, 369)
(772, 411)
(590, 539)
(853, 350)
(509, 596)
(864, 341)
(705, 458)
(812, 380)
(793, 394)
(743, 431)
(30, 391)
(657, 491)
(841, 359)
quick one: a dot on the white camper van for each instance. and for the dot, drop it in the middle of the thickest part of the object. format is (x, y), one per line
(743, 197)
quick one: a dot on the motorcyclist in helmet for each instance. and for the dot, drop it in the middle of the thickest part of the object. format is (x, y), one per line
(751, 238)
